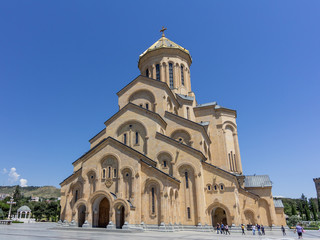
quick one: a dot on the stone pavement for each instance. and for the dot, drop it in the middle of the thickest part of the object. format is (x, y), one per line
(48, 231)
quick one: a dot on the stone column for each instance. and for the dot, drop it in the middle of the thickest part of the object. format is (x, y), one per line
(200, 199)
(153, 71)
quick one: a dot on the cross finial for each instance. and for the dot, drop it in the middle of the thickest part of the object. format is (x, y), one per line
(162, 30)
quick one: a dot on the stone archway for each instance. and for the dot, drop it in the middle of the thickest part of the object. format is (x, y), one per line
(249, 217)
(81, 215)
(120, 216)
(104, 210)
(218, 216)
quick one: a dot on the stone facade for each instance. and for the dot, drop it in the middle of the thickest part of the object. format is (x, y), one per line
(165, 162)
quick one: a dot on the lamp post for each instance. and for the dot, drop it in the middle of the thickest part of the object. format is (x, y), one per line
(11, 202)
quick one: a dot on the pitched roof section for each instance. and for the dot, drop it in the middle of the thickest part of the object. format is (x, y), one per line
(99, 134)
(257, 181)
(179, 144)
(139, 109)
(147, 80)
(198, 125)
(206, 104)
(185, 97)
(278, 203)
(157, 169)
(107, 141)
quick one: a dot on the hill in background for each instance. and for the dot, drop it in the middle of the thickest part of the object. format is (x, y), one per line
(43, 192)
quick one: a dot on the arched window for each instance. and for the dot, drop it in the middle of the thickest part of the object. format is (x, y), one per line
(189, 212)
(153, 210)
(187, 179)
(104, 173)
(182, 76)
(164, 163)
(115, 172)
(137, 138)
(171, 75)
(147, 72)
(76, 196)
(158, 72)
(125, 138)
(109, 172)
(147, 106)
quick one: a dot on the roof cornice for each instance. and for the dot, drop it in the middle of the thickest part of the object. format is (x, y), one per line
(201, 127)
(157, 169)
(105, 142)
(147, 80)
(182, 145)
(140, 109)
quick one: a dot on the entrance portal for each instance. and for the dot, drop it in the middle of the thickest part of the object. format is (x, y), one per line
(120, 216)
(104, 209)
(81, 215)
(218, 216)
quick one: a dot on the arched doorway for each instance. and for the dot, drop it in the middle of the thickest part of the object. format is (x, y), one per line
(120, 216)
(81, 215)
(104, 209)
(249, 217)
(218, 216)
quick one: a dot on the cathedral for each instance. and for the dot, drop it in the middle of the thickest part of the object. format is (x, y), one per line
(164, 161)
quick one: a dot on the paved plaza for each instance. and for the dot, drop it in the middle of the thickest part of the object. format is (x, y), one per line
(49, 231)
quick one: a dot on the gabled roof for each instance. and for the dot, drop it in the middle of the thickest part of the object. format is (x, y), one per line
(72, 175)
(182, 145)
(199, 126)
(97, 135)
(278, 203)
(139, 109)
(147, 80)
(111, 140)
(157, 169)
(257, 181)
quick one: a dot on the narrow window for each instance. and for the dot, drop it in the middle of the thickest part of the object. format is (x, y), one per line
(235, 162)
(147, 106)
(137, 138)
(215, 187)
(147, 72)
(158, 72)
(152, 201)
(189, 213)
(187, 180)
(188, 114)
(76, 196)
(140, 105)
(109, 173)
(209, 188)
(125, 138)
(170, 75)
(164, 163)
(114, 172)
(230, 162)
(221, 187)
(104, 173)
(182, 76)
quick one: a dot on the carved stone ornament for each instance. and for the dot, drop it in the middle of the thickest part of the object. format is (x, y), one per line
(108, 182)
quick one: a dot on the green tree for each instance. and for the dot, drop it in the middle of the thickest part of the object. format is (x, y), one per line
(17, 193)
(313, 209)
(293, 209)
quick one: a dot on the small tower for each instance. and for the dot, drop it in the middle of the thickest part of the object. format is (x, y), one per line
(168, 62)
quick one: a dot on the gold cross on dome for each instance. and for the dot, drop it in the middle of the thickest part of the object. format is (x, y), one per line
(162, 30)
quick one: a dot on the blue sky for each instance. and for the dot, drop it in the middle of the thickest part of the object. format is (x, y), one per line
(62, 62)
